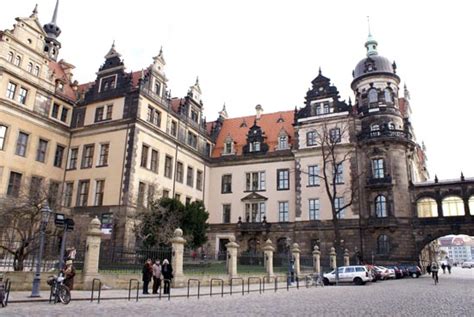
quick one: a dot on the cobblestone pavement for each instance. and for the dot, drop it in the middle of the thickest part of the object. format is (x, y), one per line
(453, 296)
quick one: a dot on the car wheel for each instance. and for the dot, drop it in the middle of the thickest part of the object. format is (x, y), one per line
(413, 275)
(358, 281)
(325, 281)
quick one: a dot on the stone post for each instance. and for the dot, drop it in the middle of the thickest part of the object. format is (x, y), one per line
(317, 259)
(268, 253)
(295, 253)
(332, 258)
(177, 247)
(91, 257)
(232, 248)
(346, 257)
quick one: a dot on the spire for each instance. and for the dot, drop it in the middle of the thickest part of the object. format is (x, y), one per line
(51, 29)
(55, 14)
(197, 81)
(223, 113)
(319, 70)
(112, 52)
(34, 13)
(371, 43)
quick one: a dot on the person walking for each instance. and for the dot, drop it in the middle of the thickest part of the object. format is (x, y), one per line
(443, 267)
(434, 271)
(147, 273)
(449, 268)
(69, 272)
(167, 273)
(156, 276)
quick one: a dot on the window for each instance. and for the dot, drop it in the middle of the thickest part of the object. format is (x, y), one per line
(17, 61)
(108, 114)
(106, 222)
(255, 181)
(149, 116)
(83, 196)
(313, 172)
(144, 159)
(375, 130)
(335, 135)
(58, 156)
(228, 147)
(3, 135)
(381, 206)
(87, 156)
(151, 195)
(29, 67)
(64, 113)
(199, 180)
(283, 211)
(388, 95)
(73, 154)
(226, 213)
(11, 90)
(339, 203)
(179, 172)
(36, 71)
(22, 95)
(373, 95)
(168, 166)
(157, 118)
(471, 205)
(174, 128)
(21, 144)
(10, 57)
(166, 193)
(53, 194)
(453, 206)
(158, 88)
(188, 200)
(99, 192)
(99, 114)
(311, 138)
(326, 108)
(377, 168)
(177, 196)
(104, 154)
(108, 83)
(314, 209)
(226, 186)
(283, 179)
(192, 139)
(254, 212)
(339, 174)
(14, 184)
(190, 176)
(427, 207)
(383, 244)
(55, 111)
(391, 126)
(141, 194)
(154, 161)
(194, 116)
(283, 142)
(68, 194)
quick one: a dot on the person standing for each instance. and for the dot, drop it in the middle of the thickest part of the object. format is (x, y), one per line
(147, 273)
(449, 268)
(156, 276)
(434, 271)
(167, 273)
(69, 272)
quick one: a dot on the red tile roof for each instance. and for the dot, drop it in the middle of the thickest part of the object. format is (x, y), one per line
(271, 124)
(60, 74)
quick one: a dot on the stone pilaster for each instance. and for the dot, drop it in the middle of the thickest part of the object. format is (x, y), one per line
(317, 259)
(177, 245)
(232, 248)
(332, 258)
(91, 257)
(295, 252)
(268, 251)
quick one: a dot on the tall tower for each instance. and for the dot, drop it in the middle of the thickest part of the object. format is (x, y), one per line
(53, 31)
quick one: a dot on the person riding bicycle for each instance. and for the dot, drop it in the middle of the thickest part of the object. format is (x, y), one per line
(69, 272)
(434, 271)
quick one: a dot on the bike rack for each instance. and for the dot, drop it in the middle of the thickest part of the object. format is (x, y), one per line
(130, 288)
(169, 293)
(8, 285)
(259, 283)
(221, 281)
(93, 287)
(238, 279)
(199, 285)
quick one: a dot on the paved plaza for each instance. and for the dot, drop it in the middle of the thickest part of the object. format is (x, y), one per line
(453, 296)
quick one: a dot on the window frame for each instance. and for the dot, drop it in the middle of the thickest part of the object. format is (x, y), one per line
(314, 209)
(87, 156)
(168, 167)
(378, 168)
(58, 160)
(104, 149)
(83, 196)
(99, 192)
(283, 183)
(226, 213)
(11, 90)
(3, 136)
(313, 178)
(22, 147)
(283, 213)
(226, 187)
(311, 138)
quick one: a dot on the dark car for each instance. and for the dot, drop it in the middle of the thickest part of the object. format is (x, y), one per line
(412, 269)
(398, 271)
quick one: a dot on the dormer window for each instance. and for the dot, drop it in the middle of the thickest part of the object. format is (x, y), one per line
(228, 146)
(326, 108)
(283, 142)
(107, 83)
(318, 109)
(158, 88)
(255, 146)
(60, 86)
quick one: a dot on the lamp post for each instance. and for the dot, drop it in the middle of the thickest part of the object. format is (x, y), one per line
(45, 213)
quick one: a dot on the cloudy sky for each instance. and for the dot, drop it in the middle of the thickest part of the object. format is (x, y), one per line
(267, 52)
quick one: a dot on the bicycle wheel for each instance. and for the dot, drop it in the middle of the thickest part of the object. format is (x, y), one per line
(64, 294)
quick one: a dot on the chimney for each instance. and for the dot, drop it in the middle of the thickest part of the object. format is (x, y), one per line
(259, 111)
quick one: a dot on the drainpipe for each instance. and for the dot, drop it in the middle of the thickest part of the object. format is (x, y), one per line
(175, 168)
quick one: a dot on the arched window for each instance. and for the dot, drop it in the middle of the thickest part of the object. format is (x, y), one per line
(10, 57)
(453, 206)
(18, 60)
(383, 244)
(381, 206)
(426, 207)
(373, 95)
(388, 95)
(471, 205)
(252, 245)
(391, 126)
(374, 130)
(29, 68)
(36, 71)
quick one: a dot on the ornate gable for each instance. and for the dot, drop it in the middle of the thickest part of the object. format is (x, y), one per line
(255, 140)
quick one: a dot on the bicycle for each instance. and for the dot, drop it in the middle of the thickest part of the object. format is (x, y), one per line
(59, 291)
(314, 280)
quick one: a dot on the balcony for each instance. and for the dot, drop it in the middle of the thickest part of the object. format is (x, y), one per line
(384, 133)
(262, 226)
(379, 181)
(385, 222)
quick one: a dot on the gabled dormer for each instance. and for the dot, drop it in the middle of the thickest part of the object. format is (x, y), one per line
(155, 79)
(229, 146)
(283, 140)
(255, 141)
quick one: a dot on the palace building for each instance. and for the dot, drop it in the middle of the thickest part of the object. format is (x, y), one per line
(105, 147)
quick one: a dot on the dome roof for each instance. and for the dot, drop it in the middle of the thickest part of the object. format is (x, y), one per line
(375, 64)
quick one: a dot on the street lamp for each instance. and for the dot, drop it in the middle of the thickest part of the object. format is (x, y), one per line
(45, 213)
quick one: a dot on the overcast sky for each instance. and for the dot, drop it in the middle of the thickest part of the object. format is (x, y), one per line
(267, 52)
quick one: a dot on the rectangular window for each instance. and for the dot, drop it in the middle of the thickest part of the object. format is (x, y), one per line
(194, 116)
(283, 179)
(283, 142)
(335, 135)
(53, 194)
(151, 195)
(83, 193)
(141, 194)
(99, 192)
(179, 172)
(314, 209)
(157, 118)
(73, 154)
(311, 138)
(338, 204)
(22, 95)
(157, 88)
(41, 152)
(55, 111)
(99, 114)
(166, 193)
(377, 168)
(174, 128)
(228, 147)
(64, 113)
(190, 176)
(149, 116)
(68, 190)
(144, 159)
(339, 174)
(254, 212)
(168, 166)
(108, 114)
(3, 135)
(226, 213)
(192, 139)
(199, 180)
(11, 90)
(14, 184)
(58, 156)
(226, 186)
(103, 154)
(255, 181)
(87, 156)
(154, 161)
(177, 196)
(188, 200)
(21, 144)
(313, 175)
(283, 211)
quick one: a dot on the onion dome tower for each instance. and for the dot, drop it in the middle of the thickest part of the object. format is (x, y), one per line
(53, 31)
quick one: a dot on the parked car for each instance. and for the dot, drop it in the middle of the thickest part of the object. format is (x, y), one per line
(385, 273)
(412, 269)
(398, 272)
(467, 264)
(357, 274)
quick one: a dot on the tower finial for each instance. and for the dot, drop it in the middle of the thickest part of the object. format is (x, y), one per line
(368, 24)
(371, 43)
(319, 70)
(35, 12)
(55, 14)
(197, 81)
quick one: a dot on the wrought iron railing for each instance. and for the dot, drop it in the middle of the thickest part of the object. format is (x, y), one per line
(384, 133)
(386, 180)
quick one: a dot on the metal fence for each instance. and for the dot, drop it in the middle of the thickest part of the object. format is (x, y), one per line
(27, 263)
(204, 263)
(251, 262)
(306, 263)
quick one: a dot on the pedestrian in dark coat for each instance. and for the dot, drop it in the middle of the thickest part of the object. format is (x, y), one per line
(147, 273)
(156, 276)
(69, 272)
(167, 271)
